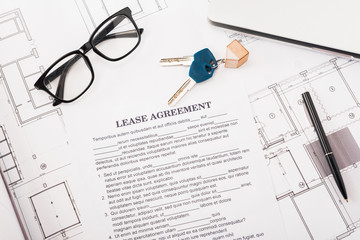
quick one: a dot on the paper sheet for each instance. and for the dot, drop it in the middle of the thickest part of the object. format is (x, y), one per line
(207, 183)
(49, 157)
(185, 172)
(311, 203)
(312, 206)
(10, 227)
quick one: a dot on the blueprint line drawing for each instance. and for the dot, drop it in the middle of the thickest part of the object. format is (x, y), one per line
(244, 39)
(34, 148)
(305, 189)
(94, 12)
(55, 210)
(19, 71)
(9, 164)
(12, 23)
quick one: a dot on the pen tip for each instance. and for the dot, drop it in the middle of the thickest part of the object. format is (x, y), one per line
(346, 200)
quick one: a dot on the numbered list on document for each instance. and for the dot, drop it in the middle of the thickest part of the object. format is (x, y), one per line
(184, 173)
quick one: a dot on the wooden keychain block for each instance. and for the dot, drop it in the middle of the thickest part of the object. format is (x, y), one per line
(236, 55)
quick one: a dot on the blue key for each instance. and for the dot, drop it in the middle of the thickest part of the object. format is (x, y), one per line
(201, 69)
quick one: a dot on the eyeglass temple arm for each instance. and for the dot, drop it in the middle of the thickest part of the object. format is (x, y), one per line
(103, 34)
(125, 34)
(61, 85)
(60, 70)
(108, 28)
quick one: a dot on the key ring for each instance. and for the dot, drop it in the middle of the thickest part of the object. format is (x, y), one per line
(218, 62)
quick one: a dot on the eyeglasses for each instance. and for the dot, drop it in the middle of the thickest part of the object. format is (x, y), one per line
(71, 75)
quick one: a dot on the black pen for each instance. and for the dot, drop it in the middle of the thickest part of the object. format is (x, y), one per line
(324, 143)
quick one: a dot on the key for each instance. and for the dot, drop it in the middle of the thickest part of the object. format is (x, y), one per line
(187, 60)
(201, 69)
(178, 61)
(236, 55)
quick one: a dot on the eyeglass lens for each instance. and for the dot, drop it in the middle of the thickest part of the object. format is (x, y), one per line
(116, 38)
(69, 78)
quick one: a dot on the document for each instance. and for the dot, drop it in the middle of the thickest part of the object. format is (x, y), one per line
(9, 219)
(119, 163)
(310, 201)
(189, 172)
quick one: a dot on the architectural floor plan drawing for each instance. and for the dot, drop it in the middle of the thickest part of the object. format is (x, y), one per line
(34, 152)
(55, 211)
(304, 186)
(8, 164)
(244, 39)
(20, 70)
(94, 12)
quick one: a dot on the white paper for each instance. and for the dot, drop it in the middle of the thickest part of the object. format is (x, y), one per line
(312, 206)
(53, 172)
(10, 226)
(191, 174)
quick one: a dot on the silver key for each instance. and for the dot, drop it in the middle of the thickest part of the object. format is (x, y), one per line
(178, 61)
(187, 86)
(201, 69)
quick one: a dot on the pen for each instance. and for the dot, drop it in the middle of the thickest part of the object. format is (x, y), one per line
(324, 143)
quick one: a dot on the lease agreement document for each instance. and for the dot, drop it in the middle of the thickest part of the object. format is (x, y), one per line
(193, 171)
(188, 172)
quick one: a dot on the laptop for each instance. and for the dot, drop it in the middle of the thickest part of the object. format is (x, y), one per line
(328, 25)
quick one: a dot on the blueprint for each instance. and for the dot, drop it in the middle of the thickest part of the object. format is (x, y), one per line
(37, 155)
(312, 205)
(36, 162)
(61, 192)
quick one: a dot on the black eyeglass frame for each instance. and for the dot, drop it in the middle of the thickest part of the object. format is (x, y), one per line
(91, 44)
